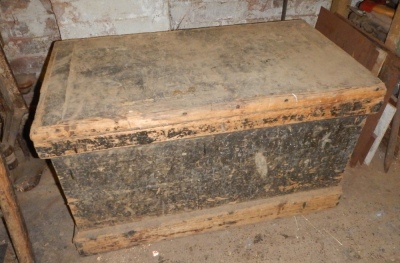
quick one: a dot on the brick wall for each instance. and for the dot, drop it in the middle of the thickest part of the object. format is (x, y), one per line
(28, 27)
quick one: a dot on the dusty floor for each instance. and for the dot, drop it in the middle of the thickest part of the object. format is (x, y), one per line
(365, 227)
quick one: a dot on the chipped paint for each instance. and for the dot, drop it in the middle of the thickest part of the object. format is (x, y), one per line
(26, 21)
(193, 13)
(80, 19)
(28, 29)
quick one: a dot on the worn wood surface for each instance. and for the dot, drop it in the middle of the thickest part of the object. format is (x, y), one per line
(125, 185)
(340, 31)
(380, 131)
(138, 89)
(167, 227)
(213, 117)
(13, 217)
(351, 40)
(393, 37)
(340, 7)
(394, 132)
(12, 105)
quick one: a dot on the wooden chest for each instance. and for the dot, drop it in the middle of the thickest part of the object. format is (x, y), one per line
(166, 134)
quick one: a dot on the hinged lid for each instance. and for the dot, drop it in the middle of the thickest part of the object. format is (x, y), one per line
(137, 89)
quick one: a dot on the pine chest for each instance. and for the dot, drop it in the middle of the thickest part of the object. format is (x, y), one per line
(161, 135)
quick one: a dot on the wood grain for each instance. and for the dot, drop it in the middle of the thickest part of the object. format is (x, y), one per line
(127, 235)
(13, 107)
(341, 32)
(354, 42)
(340, 7)
(311, 107)
(393, 37)
(132, 183)
(150, 129)
(191, 81)
(13, 217)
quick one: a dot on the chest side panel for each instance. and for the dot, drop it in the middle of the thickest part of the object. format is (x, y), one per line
(128, 184)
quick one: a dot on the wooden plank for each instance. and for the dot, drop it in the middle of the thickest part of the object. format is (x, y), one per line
(393, 37)
(166, 227)
(13, 217)
(394, 132)
(217, 116)
(355, 43)
(380, 60)
(341, 32)
(171, 85)
(12, 102)
(304, 107)
(128, 184)
(340, 7)
(380, 131)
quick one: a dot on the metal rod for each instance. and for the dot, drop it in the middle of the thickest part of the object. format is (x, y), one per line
(284, 7)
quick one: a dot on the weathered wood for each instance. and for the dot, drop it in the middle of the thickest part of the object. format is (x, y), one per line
(346, 102)
(380, 61)
(340, 31)
(380, 131)
(149, 127)
(13, 217)
(393, 37)
(125, 185)
(340, 7)
(190, 83)
(231, 215)
(351, 40)
(12, 105)
(385, 141)
(393, 42)
(394, 132)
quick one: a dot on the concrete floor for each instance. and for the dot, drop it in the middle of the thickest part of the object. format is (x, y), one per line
(365, 227)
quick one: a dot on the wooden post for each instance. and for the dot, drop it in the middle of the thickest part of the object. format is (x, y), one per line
(12, 101)
(340, 7)
(13, 217)
(393, 38)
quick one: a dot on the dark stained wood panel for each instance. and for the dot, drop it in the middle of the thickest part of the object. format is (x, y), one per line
(129, 184)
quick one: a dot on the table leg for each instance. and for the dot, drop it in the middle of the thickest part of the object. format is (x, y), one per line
(13, 217)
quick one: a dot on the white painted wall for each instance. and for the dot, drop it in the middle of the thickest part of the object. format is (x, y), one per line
(27, 30)
(193, 14)
(89, 18)
(28, 27)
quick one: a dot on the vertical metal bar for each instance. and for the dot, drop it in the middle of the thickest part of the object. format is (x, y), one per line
(284, 7)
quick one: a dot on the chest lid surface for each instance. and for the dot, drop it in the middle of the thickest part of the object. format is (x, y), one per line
(117, 91)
